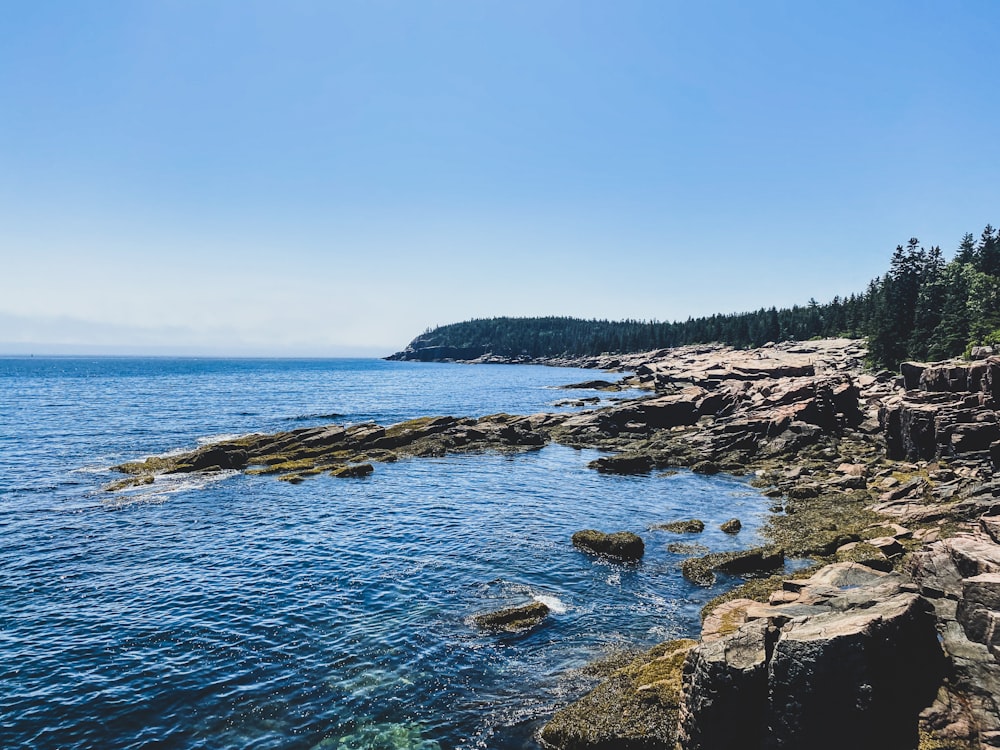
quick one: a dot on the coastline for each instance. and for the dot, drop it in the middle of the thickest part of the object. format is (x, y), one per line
(892, 500)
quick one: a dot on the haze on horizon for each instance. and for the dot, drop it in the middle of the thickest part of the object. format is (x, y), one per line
(331, 178)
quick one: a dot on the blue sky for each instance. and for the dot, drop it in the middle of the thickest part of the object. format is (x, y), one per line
(331, 178)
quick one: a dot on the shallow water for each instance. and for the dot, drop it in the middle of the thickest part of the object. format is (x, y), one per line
(240, 611)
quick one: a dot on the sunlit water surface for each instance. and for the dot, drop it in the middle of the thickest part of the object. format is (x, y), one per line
(241, 612)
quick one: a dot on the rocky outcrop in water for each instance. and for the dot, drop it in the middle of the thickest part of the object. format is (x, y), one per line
(621, 545)
(351, 451)
(690, 526)
(513, 619)
(891, 643)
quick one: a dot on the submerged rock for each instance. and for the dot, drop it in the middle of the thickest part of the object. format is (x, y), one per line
(687, 548)
(621, 545)
(513, 619)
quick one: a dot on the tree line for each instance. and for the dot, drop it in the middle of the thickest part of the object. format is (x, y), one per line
(923, 308)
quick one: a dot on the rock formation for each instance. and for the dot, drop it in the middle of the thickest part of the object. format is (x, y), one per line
(885, 481)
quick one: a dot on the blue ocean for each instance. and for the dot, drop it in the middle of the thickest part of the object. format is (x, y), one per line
(233, 611)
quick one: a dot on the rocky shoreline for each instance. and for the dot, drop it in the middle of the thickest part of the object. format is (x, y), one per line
(884, 480)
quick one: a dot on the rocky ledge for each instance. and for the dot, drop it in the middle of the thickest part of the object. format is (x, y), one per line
(884, 480)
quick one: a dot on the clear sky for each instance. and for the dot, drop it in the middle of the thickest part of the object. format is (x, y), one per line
(331, 178)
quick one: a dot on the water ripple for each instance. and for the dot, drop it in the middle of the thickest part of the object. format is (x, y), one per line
(237, 611)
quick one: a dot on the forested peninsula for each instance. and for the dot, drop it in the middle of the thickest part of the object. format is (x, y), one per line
(922, 308)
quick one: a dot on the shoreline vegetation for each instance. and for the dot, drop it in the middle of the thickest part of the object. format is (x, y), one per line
(885, 481)
(922, 308)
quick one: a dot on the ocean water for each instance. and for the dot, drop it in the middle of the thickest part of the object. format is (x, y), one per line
(235, 611)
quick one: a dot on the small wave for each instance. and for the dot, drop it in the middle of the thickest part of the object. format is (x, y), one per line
(310, 417)
(163, 486)
(224, 437)
(92, 469)
(554, 603)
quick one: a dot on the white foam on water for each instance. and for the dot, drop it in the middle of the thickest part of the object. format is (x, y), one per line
(224, 437)
(91, 469)
(554, 603)
(165, 485)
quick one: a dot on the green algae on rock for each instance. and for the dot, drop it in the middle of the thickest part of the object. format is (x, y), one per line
(691, 526)
(339, 450)
(634, 708)
(701, 570)
(732, 526)
(352, 470)
(513, 619)
(621, 545)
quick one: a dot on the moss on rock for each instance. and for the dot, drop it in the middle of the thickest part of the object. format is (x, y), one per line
(621, 545)
(513, 619)
(701, 570)
(352, 470)
(732, 526)
(635, 708)
(124, 484)
(691, 526)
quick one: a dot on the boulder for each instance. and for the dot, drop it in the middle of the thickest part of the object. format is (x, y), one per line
(976, 436)
(911, 372)
(845, 658)
(887, 545)
(732, 526)
(621, 545)
(513, 619)
(669, 411)
(979, 608)
(945, 377)
(725, 685)
(862, 674)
